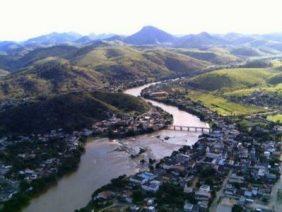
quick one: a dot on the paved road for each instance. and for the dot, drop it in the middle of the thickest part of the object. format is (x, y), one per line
(213, 207)
(274, 203)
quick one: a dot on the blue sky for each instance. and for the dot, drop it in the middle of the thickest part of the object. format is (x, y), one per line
(21, 19)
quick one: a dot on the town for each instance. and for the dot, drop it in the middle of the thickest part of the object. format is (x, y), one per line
(233, 168)
(153, 120)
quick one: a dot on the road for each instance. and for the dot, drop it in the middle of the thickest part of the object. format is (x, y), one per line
(215, 202)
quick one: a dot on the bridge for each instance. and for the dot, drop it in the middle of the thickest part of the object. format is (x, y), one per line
(189, 128)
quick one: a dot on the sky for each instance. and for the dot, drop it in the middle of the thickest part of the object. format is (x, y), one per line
(22, 19)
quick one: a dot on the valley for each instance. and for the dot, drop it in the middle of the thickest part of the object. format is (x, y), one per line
(72, 122)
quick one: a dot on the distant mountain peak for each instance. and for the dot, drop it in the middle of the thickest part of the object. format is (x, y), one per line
(53, 38)
(205, 34)
(149, 35)
(149, 28)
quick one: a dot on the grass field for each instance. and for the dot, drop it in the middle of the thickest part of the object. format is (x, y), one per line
(275, 118)
(248, 91)
(222, 106)
(276, 63)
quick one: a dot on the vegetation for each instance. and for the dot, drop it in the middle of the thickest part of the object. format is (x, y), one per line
(39, 185)
(164, 196)
(275, 118)
(245, 51)
(232, 91)
(213, 55)
(68, 111)
(232, 79)
(51, 76)
(222, 106)
(125, 63)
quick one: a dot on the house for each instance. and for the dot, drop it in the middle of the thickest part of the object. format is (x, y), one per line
(261, 172)
(188, 207)
(134, 208)
(160, 94)
(203, 205)
(142, 178)
(151, 209)
(205, 188)
(248, 194)
(202, 195)
(152, 186)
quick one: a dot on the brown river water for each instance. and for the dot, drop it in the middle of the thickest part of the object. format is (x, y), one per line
(101, 162)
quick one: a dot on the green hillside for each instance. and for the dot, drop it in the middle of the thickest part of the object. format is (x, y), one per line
(245, 52)
(276, 79)
(123, 63)
(239, 91)
(117, 63)
(49, 76)
(213, 55)
(232, 79)
(275, 89)
(15, 63)
(125, 103)
(67, 111)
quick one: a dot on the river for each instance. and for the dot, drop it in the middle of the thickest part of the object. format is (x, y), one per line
(101, 161)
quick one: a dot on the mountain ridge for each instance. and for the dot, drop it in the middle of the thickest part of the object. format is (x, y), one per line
(268, 44)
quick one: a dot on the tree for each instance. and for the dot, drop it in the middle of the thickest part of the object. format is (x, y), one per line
(237, 208)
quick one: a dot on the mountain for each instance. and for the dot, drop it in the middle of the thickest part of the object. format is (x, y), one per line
(53, 39)
(273, 37)
(265, 44)
(7, 47)
(13, 63)
(64, 68)
(238, 39)
(92, 37)
(49, 76)
(229, 79)
(214, 55)
(149, 35)
(201, 40)
(246, 51)
(62, 51)
(121, 63)
(71, 111)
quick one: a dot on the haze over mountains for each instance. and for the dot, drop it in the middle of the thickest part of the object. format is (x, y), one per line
(149, 35)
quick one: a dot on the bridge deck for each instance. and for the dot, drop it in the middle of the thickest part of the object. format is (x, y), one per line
(189, 128)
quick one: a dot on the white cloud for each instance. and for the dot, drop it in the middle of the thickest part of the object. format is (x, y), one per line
(20, 19)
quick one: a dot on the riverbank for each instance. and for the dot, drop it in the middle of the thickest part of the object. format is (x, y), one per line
(156, 148)
(33, 185)
(39, 161)
(235, 166)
